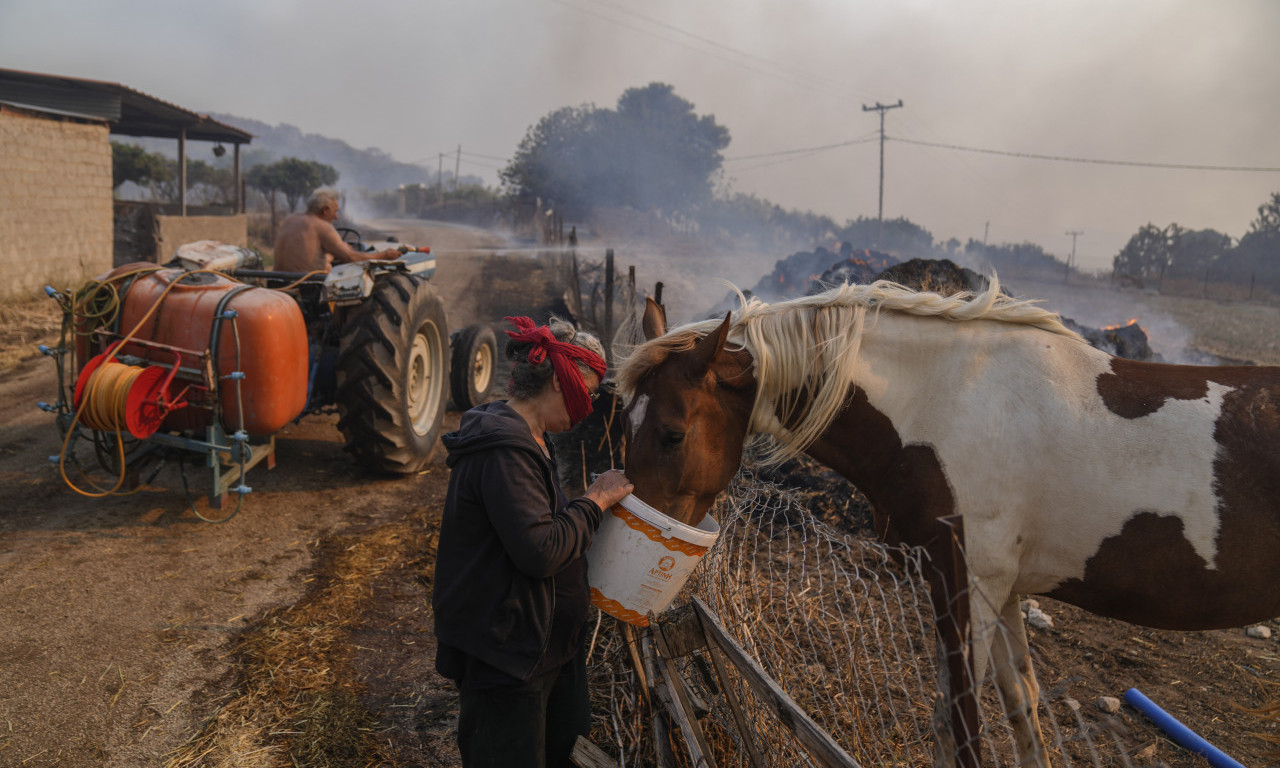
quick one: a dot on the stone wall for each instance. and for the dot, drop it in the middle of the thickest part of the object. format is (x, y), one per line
(173, 231)
(55, 201)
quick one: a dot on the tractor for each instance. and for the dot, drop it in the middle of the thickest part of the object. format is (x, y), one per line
(210, 354)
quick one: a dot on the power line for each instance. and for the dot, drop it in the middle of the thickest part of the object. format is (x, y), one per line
(803, 150)
(804, 81)
(790, 71)
(788, 159)
(1092, 161)
(486, 157)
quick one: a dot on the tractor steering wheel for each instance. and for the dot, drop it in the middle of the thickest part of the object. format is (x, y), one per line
(349, 236)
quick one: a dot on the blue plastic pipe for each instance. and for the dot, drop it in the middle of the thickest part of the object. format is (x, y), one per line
(1181, 734)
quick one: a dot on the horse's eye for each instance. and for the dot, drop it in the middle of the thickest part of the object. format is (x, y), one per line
(672, 439)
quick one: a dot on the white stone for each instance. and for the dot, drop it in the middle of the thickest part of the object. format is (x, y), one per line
(1039, 619)
(1030, 603)
(1261, 632)
(1072, 704)
(1108, 704)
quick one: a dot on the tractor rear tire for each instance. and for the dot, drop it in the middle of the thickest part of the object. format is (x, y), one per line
(474, 361)
(393, 370)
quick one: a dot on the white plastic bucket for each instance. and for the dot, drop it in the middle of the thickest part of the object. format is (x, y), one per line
(640, 559)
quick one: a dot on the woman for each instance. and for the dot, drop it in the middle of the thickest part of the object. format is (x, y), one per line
(510, 591)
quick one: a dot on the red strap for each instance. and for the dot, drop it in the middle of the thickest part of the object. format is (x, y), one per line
(577, 400)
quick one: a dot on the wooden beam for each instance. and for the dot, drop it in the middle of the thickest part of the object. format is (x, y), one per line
(586, 754)
(821, 746)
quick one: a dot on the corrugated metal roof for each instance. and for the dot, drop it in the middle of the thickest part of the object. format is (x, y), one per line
(126, 111)
(49, 110)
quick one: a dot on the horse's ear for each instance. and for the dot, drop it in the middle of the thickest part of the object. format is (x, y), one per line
(654, 321)
(701, 356)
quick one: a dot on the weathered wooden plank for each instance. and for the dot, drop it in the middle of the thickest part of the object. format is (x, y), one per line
(586, 754)
(663, 755)
(682, 631)
(820, 745)
(735, 708)
(629, 635)
(948, 591)
(682, 709)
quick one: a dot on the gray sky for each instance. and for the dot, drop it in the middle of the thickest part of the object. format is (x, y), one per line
(1169, 81)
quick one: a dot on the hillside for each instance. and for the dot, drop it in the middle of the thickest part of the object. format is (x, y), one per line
(370, 168)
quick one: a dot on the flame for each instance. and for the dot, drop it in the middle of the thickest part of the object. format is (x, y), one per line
(1126, 324)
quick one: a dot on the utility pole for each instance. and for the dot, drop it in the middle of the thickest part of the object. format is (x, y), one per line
(440, 181)
(457, 166)
(1071, 260)
(881, 108)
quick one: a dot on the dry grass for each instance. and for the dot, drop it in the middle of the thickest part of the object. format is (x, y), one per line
(296, 704)
(24, 324)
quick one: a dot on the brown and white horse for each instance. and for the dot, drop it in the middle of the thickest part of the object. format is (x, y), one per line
(1144, 492)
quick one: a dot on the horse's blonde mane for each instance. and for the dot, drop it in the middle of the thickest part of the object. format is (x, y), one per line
(806, 350)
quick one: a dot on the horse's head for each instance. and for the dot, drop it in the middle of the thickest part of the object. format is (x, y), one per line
(690, 404)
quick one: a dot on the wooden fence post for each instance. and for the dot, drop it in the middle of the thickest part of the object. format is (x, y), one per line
(608, 299)
(678, 703)
(949, 593)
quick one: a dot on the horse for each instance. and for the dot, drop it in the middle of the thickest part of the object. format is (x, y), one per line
(1144, 492)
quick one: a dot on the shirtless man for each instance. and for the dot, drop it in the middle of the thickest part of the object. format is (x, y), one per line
(308, 242)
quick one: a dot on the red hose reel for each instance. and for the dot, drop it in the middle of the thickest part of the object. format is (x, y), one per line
(114, 396)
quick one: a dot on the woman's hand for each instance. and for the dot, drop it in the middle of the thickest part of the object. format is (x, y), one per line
(609, 488)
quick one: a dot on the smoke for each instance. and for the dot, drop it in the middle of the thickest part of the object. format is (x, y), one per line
(1100, 307)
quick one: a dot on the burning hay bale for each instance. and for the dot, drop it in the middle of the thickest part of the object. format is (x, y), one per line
(1127, 340)
(807, 272)
(941, 276)
(855, 266)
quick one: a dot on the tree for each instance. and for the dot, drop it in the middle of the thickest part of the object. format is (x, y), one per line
(652, 152)
(550, 161)
(210, 184)
(663, 153)
(130, 162)
(265, 179)
(1258, 252)
(1192, 252)
(291, 177)
(900, 235)
(1146, 255)
(298, 178)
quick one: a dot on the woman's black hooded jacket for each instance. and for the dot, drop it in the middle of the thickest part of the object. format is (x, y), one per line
(502, 541)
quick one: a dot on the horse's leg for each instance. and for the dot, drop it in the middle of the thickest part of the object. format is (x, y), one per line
(1016, 681)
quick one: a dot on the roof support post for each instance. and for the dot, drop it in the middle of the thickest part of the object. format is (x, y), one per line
(182, 169)
(236, 176)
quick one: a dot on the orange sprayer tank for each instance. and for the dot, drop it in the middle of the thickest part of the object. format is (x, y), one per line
(267, 334)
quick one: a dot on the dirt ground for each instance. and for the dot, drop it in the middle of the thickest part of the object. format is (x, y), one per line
(132, 633)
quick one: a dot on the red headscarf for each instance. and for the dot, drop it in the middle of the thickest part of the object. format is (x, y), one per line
(577, 400)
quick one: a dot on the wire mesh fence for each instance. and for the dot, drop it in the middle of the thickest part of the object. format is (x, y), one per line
(845, 626)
